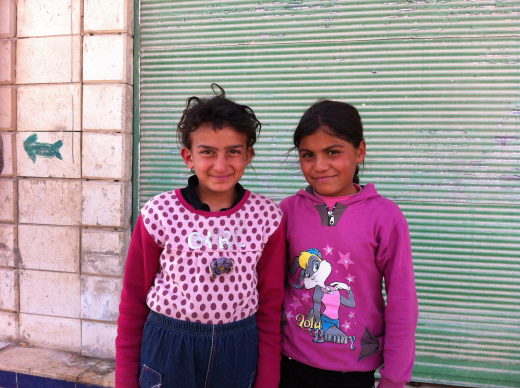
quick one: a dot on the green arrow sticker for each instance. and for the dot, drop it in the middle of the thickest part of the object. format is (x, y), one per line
(45, 150)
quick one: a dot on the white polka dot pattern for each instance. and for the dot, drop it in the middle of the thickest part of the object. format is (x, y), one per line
(183, 288)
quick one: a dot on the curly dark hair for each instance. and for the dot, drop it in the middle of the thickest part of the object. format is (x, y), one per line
(220, 112)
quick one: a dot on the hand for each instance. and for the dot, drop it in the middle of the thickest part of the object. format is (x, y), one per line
(340, 286)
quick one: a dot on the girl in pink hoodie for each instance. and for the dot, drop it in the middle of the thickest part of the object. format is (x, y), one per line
(343, 240)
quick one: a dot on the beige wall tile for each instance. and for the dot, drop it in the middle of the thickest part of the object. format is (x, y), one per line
(8, 245)
(7, 107)
(106, 203)
(108, 58)
(98, 339)
(8, 141)
(48, 154)
(50, 293)
(48, 60)
(108, 16)
(52, 248)
(107, 107)
(7, 18)
(103, 252)
(100, 297)
(7, 61)
(49, 201)
(8, 326)
(44, 17)
(49, 107)
(7, 199)
(107, 156)
(8, 289)
(51, 332)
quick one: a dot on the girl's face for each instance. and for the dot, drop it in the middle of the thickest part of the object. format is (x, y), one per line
(329, 163)
(219, 159)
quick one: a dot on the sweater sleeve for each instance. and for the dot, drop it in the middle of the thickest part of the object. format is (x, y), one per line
(271, 274)
(401, 311)
(142, 264)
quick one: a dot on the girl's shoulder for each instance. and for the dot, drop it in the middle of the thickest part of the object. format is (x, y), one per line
(385, 204)
(371, 200)
(300, 195)
(289, 202)
(260, 198)
(263, 205)
(302, 200)
(159, 201)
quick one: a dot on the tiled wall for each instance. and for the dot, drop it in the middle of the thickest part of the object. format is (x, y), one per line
(65, 190)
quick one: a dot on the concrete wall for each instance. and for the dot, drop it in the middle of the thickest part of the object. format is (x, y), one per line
(65, 190)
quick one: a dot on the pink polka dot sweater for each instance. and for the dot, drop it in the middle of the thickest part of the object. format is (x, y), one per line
(207, 267)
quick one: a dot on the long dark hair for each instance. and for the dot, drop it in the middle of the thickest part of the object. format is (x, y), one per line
(340, 119)
(219, 111)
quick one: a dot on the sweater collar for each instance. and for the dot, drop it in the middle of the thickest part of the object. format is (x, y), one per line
(190, 195)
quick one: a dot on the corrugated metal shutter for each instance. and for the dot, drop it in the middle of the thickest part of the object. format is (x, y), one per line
(438, 86)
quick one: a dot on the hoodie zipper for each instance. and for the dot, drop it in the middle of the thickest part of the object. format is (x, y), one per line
(331, 215)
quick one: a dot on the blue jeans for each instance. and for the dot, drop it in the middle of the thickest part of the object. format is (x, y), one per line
(180, 354)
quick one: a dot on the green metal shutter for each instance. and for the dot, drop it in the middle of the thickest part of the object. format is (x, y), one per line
(438, 87)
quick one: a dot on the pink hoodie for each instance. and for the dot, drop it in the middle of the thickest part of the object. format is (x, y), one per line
(334, 312)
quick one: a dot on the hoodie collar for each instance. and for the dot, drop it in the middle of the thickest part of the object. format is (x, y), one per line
(332, 217)
(367, 191)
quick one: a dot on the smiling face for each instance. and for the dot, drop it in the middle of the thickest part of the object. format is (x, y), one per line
(329, 163)
(219, 158)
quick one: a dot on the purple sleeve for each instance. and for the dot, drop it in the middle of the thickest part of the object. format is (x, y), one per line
(271, 274)
(141, 266)
(401, 309)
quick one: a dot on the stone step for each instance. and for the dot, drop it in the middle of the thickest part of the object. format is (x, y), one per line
(28, 366)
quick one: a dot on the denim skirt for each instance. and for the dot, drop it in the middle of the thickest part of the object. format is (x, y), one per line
(180, 354)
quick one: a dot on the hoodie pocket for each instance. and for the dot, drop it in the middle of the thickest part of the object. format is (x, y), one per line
(149, 378)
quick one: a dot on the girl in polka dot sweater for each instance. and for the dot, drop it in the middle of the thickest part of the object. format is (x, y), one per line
(203, 285)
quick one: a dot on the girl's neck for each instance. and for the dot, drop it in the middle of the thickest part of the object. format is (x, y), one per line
(216, 200)
(331, 201)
